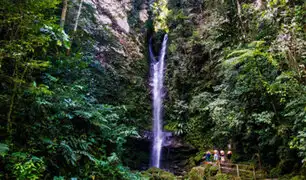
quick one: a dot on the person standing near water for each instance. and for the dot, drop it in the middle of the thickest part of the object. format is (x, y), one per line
(222, 156)
(216, 155)
(207, 156)
(229, 155)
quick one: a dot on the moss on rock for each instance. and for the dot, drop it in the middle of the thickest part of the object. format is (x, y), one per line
(208, 171)
(196, 173)
(158, 174)
(211, 170)
(298, 178)
(221, 176)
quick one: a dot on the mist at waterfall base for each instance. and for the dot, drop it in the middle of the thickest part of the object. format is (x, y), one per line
(157, 82)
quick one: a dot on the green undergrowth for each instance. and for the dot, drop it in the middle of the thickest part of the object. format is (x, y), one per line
(158, 174)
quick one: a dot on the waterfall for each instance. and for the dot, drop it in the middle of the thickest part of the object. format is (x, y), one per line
(157, 80)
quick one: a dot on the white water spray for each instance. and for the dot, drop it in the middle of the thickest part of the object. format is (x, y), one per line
(157, 69)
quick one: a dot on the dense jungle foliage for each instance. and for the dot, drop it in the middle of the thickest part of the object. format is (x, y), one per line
(235, 75)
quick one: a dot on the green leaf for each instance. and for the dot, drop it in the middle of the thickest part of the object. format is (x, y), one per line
(3, 149)
(59, 43)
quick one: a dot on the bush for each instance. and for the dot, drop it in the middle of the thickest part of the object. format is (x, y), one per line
(158, 174)
(275, 172)
(213, 170)
(298, 178)
(222, 177)
(196, 173)
(27, 168)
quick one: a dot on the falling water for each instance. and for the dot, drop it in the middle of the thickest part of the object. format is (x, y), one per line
(157, 69)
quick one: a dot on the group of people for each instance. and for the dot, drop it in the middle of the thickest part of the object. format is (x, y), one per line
(217, 156)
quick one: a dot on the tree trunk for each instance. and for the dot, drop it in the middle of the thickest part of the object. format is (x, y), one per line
(78, 16)
(259, 161)
(9, 114)
(75, 26)
(64, 12)
(239, 11)
(238, 8)
(12, 101)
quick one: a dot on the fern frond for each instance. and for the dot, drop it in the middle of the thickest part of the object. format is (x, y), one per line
(68, 153)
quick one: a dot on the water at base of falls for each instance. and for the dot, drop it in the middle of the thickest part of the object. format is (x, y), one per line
(157, 80)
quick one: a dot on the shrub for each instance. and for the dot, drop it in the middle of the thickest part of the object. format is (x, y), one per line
(222, 177)
(196, 173)
(158, 174)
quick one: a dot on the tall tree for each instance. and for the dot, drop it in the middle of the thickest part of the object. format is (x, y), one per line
(64, 13)
(75, 24)
(77, 17)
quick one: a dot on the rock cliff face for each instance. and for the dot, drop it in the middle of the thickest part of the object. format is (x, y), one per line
(116, 12)
(125, 19)
(118, 29)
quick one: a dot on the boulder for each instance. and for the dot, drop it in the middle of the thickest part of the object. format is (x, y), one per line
(196, 173)
(199, 172)
(158, 174)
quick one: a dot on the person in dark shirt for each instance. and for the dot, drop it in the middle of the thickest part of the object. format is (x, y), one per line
(207, 156)
(229, 155)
